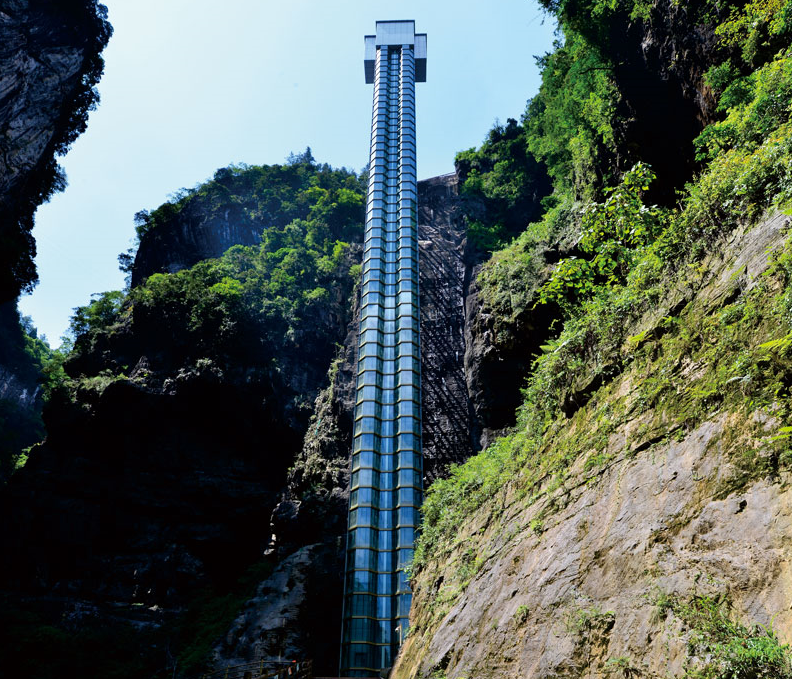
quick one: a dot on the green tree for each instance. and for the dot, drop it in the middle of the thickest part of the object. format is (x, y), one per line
(614, 233)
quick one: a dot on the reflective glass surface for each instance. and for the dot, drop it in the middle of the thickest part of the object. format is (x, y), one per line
(387, 468)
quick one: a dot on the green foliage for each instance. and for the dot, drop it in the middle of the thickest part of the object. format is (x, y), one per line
(521, 614)
(509, 280)
(258, 291)
(579, 619)
(723, 647)
(243, 307)
(100, 313)
(570, 123)
(614, 235)
(567, 135)
(506, 180)
(720, 76)
(625, 351)
(22, 351)
(623, 666)
(266, 197)
(756, 105)
(757, 29)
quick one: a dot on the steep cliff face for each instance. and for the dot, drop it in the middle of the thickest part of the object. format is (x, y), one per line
(193, 236)
(167, 475)
(160, 480)
(49, 65)
(499, 352)
(450, 430)
(669, 513)
(659, 64)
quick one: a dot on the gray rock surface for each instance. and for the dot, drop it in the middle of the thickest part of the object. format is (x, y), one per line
(645, 526)
(285, 620)
(569, 577)
(449, 424)
(49, 64)
(13, 389)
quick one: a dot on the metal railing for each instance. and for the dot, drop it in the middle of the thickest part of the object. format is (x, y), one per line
(264, 669)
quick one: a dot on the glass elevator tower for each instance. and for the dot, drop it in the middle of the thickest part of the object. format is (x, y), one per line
(386, 486)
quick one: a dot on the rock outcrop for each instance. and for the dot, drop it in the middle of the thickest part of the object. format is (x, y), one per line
(191, 237)
(49, 65)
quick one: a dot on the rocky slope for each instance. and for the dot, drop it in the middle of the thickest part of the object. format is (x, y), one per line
(593, 572)
(49, 65)
(447, 263)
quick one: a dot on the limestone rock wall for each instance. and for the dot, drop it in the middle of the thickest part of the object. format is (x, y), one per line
(568, 579)
(49, 64)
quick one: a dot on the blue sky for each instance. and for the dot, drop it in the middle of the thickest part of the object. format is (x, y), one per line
(194, 85)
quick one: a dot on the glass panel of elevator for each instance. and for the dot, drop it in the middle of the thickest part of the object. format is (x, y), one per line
(387, 463)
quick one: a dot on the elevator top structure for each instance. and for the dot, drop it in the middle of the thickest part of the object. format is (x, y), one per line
(396, 33)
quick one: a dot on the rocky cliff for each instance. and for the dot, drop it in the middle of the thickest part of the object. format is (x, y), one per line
(49, 65)
(601, 569)
(634, 519)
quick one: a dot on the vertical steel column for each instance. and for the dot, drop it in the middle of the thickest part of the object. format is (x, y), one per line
(386, 480)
